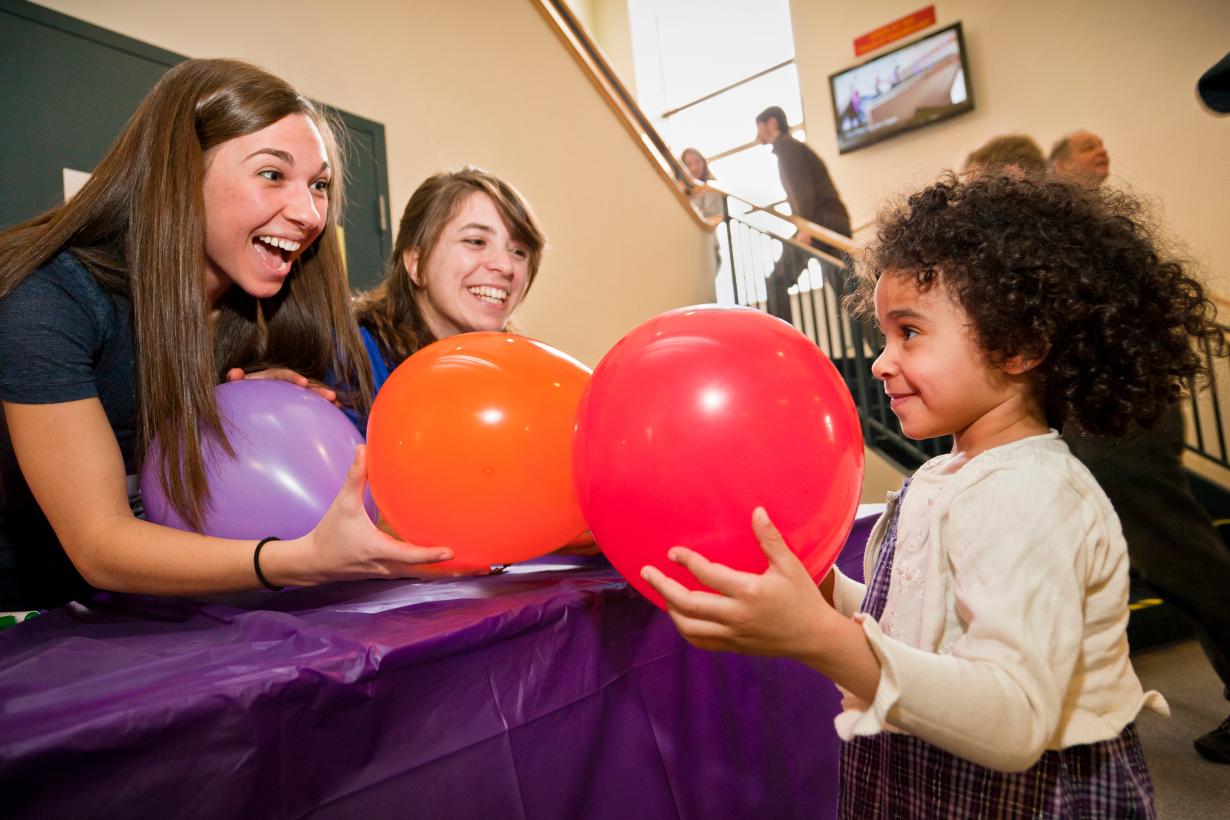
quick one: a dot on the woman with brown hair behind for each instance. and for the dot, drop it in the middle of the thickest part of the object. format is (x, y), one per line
(205, 241)
(467, 251)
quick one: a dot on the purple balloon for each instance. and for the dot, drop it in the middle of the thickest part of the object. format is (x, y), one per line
(292, 451)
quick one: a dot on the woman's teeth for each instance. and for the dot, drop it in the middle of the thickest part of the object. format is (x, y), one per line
(493, 295)
(277, 242)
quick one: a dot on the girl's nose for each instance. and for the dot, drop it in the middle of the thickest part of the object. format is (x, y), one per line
(883, 366)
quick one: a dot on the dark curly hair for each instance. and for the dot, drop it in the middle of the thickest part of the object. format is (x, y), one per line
(1055, 270)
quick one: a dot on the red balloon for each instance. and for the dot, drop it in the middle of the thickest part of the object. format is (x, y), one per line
(469, 447)
(697, 417)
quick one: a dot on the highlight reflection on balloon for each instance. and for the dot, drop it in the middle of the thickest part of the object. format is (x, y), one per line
(697, 417)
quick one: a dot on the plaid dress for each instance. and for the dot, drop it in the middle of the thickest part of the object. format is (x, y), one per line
(898, 775)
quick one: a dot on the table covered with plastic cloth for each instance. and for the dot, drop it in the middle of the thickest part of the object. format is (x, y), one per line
(552, 690)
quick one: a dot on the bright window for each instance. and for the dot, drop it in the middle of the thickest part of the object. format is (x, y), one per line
(705, 69)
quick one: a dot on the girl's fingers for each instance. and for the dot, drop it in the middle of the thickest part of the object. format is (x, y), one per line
(689, 602)
(667, 587)
(775, 547)
(702, 633)
(717, 577)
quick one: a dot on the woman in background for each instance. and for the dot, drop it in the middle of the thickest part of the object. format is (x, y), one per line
(709, 203)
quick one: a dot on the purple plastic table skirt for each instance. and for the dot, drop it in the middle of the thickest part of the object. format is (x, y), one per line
(550, 691)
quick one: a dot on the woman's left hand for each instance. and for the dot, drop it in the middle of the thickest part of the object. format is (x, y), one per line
(284, 374)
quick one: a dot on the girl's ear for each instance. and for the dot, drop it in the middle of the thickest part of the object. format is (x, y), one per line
(1022, 362)
(410, 259)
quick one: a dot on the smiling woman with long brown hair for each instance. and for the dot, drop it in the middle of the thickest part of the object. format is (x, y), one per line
(204, 241)
(467, 250)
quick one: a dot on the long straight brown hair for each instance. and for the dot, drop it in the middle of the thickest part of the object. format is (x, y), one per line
(138, 225)
(391, 310)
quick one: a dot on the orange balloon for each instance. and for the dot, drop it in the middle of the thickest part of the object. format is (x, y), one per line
(470, 447)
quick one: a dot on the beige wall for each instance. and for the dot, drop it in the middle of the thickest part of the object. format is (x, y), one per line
(607, 23)
(879, 478)
(1126, 69)
(486, 83)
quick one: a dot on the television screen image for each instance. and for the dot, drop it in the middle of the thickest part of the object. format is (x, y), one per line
(911, 86)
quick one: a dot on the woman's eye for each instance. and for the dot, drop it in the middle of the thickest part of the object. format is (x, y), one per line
(272, 175)
(520, 253)
(322, 185)
(475, 242)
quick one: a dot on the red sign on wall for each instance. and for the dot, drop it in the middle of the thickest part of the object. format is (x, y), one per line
(895, 30)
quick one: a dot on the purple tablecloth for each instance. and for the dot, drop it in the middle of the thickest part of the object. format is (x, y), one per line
(551, 691)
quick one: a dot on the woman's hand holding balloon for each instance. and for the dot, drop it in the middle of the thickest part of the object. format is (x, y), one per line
(449, 569)
(346, 545)
(284, 374)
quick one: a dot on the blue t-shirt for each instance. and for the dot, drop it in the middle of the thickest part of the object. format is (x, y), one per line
(380, 367)
(62, 338)
(377, 358)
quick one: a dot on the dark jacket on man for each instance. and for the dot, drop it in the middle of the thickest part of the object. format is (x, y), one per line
(809, 189)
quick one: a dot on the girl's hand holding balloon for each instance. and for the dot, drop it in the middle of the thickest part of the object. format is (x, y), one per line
(779, 612)
(284, 374)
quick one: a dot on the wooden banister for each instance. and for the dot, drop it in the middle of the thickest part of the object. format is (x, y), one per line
(830, 237)
(593, 62)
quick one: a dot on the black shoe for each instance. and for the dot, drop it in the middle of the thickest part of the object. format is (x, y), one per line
(1215, 745)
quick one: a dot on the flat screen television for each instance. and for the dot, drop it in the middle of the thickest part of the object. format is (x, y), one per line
(913, 85)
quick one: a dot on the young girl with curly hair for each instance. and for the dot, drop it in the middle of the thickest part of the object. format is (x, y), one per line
(986, 660)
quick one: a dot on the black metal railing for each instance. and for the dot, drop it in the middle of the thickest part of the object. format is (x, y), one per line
(1206, 429)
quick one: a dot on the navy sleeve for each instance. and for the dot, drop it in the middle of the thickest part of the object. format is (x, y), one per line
(52, 327)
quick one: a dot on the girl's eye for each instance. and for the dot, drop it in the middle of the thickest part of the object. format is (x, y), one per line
(476, 242)
(322, 185)
(521, 253)
(272, 174)
(908, 333)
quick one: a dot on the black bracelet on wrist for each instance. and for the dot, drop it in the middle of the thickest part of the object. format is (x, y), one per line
(256, 562)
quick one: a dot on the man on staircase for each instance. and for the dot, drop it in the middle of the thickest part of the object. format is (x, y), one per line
(811, 194)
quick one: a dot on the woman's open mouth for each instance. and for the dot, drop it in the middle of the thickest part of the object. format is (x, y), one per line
(276, 253)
